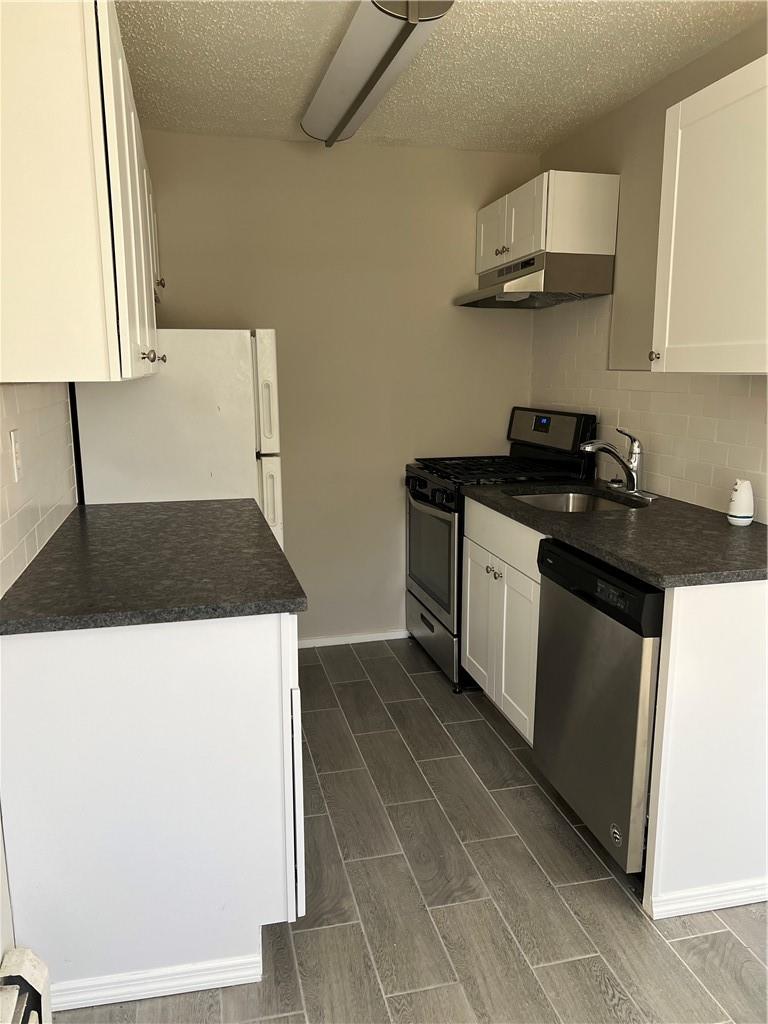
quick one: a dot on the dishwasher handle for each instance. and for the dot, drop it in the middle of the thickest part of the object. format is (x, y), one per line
(634, 603)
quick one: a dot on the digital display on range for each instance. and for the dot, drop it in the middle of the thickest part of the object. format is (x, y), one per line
(541, 424)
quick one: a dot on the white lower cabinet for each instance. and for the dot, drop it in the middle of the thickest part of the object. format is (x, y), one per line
(500, 612)
(476, 616)
(515, 606)
(158, 824)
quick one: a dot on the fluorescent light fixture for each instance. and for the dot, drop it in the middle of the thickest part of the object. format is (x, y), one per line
(382, 39)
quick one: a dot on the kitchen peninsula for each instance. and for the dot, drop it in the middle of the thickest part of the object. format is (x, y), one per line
(150, 705)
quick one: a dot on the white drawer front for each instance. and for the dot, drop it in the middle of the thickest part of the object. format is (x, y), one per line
(518, 545)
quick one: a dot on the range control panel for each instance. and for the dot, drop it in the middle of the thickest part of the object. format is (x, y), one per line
(562, 431)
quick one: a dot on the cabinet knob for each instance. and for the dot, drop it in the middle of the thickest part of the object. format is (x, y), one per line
(501, 251)
(654, 355)
(160, 282)
(488, 568)
(163, 358)
(497, 575)
(150, 356)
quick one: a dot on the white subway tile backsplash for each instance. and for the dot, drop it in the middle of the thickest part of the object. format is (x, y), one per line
(33, 508)
(700, 431)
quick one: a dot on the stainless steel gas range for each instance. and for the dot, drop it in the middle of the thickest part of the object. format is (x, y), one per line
(544, 446)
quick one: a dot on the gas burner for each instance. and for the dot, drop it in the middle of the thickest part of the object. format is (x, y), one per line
(489, 469)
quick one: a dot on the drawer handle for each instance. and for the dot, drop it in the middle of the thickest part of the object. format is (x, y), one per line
(427, 623)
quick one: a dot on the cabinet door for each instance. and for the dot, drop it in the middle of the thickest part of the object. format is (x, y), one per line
(491, 246)
(526, 218)
(710, 313)
(515, 610)
(477, 627)
(130, 222)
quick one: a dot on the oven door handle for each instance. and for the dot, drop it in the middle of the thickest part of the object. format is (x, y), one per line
(431, 510)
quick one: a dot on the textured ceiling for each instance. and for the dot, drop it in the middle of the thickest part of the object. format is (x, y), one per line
(495, 74)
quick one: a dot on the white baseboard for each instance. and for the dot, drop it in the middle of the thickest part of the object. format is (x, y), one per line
(716, 897)
(162, 981)
(354, 638)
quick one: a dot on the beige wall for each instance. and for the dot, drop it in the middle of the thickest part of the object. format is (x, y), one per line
(353, 255)
(630, 141)
(35, 506)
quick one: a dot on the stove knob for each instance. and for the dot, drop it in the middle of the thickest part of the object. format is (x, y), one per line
(438, 496)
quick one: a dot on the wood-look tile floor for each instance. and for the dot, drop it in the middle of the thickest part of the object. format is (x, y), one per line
(448, 884)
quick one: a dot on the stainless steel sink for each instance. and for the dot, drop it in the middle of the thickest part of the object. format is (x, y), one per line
(573, 501)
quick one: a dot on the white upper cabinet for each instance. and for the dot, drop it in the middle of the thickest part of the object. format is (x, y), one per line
(491, 242)
(526, 218)
(557, 211)
(710, 313)
(79, 229)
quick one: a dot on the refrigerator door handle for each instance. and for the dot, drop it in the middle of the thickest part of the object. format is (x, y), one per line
(266, 390)
(268, 430)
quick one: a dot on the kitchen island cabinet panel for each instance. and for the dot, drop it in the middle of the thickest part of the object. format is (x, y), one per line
(159, 823)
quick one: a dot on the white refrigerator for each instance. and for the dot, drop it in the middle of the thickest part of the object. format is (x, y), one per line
(204, 425)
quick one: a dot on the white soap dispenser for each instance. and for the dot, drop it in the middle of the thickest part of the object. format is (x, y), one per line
(741, 508)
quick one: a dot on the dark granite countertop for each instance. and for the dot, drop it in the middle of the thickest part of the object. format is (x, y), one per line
(123, 565)
(667, 543)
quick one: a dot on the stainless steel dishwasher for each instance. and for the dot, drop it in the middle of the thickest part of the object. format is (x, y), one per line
(596, 676)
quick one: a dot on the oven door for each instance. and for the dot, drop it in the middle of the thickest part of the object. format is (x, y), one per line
(432, 559)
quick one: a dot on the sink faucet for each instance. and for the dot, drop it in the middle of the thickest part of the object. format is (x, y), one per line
(630, 464)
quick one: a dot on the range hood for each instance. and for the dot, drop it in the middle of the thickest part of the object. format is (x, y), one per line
(549, 241)
(541, 280)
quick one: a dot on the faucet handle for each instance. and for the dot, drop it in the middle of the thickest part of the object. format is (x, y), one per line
(633, 441)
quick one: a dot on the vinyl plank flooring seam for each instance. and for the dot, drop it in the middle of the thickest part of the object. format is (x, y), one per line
(570, 911)
(405, 859)
(363, 675)
(541, 868)
(431, 918)
(715, 1000)
(568, 960)
(588, 881)
(354, 898)
(573, 828)
(430, 909)
(633, 903)
(295, 959)
(410, 871)
(441, 757)
(424, 988)
(762, 955)
(698, 935)
(459, 903)
(401, 663)
(490, 897)
(727, 928)
(523, 785)
(514, 939)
